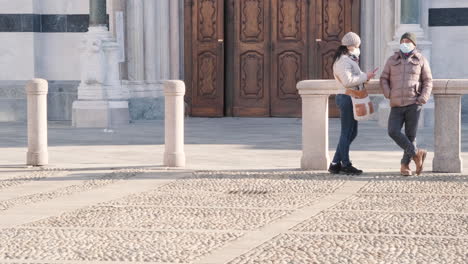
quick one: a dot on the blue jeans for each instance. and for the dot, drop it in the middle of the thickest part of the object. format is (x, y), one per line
(349, 129)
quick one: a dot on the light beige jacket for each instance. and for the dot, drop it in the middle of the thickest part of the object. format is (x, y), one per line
(348, 74)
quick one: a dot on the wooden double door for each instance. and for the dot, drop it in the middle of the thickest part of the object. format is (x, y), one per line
(245, 57)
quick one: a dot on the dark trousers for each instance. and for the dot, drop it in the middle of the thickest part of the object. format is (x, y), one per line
(349, 129)
(408, 116)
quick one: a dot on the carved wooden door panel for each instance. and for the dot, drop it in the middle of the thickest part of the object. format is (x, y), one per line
(251, 58)
(289, 37)
(335, 18)
(206, 54)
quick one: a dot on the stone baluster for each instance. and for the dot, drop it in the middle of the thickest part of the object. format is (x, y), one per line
(37, 123)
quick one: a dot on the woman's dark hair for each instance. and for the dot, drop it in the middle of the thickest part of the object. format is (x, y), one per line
(340, 51)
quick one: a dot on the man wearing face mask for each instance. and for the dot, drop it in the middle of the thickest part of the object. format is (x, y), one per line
(407, 81)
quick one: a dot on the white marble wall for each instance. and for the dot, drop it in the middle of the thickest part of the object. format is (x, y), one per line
(61, 6)
(52, 56)
(56, 56)
(16, 6)
(449, 45)
(17, 56)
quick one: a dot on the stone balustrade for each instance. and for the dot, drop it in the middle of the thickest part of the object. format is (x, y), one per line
(447, 129)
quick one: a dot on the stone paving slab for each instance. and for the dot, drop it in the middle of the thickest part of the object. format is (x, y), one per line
(108, 245)
(430, 224)
(165, 218)
(359, 249)
(217, 199)
(429, 184)
(406, 203)
(68, 190)
(297, 183)
(25, 177)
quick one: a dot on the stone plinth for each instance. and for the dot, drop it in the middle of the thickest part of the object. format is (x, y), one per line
(100, 114)
(102, 101)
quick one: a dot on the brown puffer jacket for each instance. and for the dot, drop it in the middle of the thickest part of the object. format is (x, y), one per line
(406, 81)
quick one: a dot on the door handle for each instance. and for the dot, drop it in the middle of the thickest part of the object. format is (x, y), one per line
(318, 40)
(220, 40)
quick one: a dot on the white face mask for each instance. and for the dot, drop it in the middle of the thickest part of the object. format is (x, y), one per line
(356, 52)
(407, 47)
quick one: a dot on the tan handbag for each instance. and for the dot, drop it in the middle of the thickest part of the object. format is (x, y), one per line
(363, 108)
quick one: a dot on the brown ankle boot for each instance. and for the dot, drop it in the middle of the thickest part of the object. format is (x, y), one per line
(419, 159)
(405, 170)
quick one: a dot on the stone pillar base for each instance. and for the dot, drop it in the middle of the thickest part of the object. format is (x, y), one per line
(175, 159)
(447, 134)
(37, 158)
(100, 114)
(447, 165)
(315, 162)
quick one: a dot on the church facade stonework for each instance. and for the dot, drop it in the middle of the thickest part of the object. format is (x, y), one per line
(42, 39)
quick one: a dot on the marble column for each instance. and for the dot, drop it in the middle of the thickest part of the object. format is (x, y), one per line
(97, 13)
(447, 134)
(410, 12)
(135, 31)
(151, 38)
(174, 40)
(163, 15)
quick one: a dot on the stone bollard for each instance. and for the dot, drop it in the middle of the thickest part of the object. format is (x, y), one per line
(37, 123)
(174, 155)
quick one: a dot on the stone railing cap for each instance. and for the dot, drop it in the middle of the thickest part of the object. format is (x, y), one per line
(323, 87)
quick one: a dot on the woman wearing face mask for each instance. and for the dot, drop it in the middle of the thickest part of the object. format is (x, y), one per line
(407, 81)
(350, 77)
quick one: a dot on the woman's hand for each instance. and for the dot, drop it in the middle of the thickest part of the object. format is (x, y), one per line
(370, 75)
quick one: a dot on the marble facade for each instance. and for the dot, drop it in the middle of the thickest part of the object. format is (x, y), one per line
(40, 38)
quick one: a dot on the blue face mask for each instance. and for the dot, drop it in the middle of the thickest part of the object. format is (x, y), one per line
(407, 47)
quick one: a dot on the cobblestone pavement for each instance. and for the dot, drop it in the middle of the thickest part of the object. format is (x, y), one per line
(154, 215)
(105, 198)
